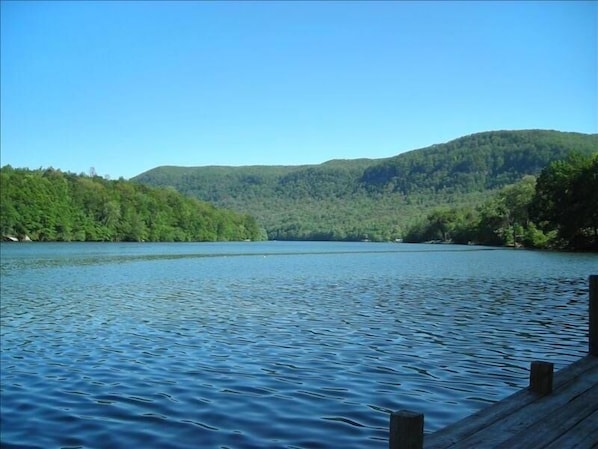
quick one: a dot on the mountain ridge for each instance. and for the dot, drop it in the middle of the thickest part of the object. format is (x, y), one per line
(353, 198)
(366, 159)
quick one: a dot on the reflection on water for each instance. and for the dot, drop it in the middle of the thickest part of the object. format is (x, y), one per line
(271, 344)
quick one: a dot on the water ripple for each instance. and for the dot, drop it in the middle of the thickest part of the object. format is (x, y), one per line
(180, 346)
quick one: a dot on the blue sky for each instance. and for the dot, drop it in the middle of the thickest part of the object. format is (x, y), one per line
(127, 86)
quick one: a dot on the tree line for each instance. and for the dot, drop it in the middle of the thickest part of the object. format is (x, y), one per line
(558, 209)
(49, 205)
(467, 190)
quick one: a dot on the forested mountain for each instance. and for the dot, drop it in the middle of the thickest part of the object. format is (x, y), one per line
(49, 205)
(378, 199)
(478, 162)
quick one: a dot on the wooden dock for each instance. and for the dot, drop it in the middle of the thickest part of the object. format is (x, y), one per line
(557, 411)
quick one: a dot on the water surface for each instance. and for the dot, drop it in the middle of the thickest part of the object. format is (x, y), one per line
(274, 344)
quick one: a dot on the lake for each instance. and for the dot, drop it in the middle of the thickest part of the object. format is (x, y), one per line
(271, 344)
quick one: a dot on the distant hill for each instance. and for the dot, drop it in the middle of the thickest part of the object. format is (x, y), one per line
(373, 198)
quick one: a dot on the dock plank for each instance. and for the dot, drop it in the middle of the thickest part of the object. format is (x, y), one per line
(583, 436)
(492, 426)
(525, 417)
(557, 424)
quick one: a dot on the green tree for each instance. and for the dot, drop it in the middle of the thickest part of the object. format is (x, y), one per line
(566, 201)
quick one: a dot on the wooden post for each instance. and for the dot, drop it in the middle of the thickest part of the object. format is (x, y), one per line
(540, 377)
(406, 430)
(593, 321)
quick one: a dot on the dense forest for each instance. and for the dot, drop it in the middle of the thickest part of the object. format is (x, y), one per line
(559, 209)
(375, 199)
(49, 205)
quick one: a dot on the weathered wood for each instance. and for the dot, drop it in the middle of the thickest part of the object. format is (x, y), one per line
(540, 377)
(555, 424)
(593, 319)
(406, 430)
(501, 418)
(583, 435)
(526, 416)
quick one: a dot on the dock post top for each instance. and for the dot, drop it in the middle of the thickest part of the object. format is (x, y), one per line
(540, 377)
(406, 430)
